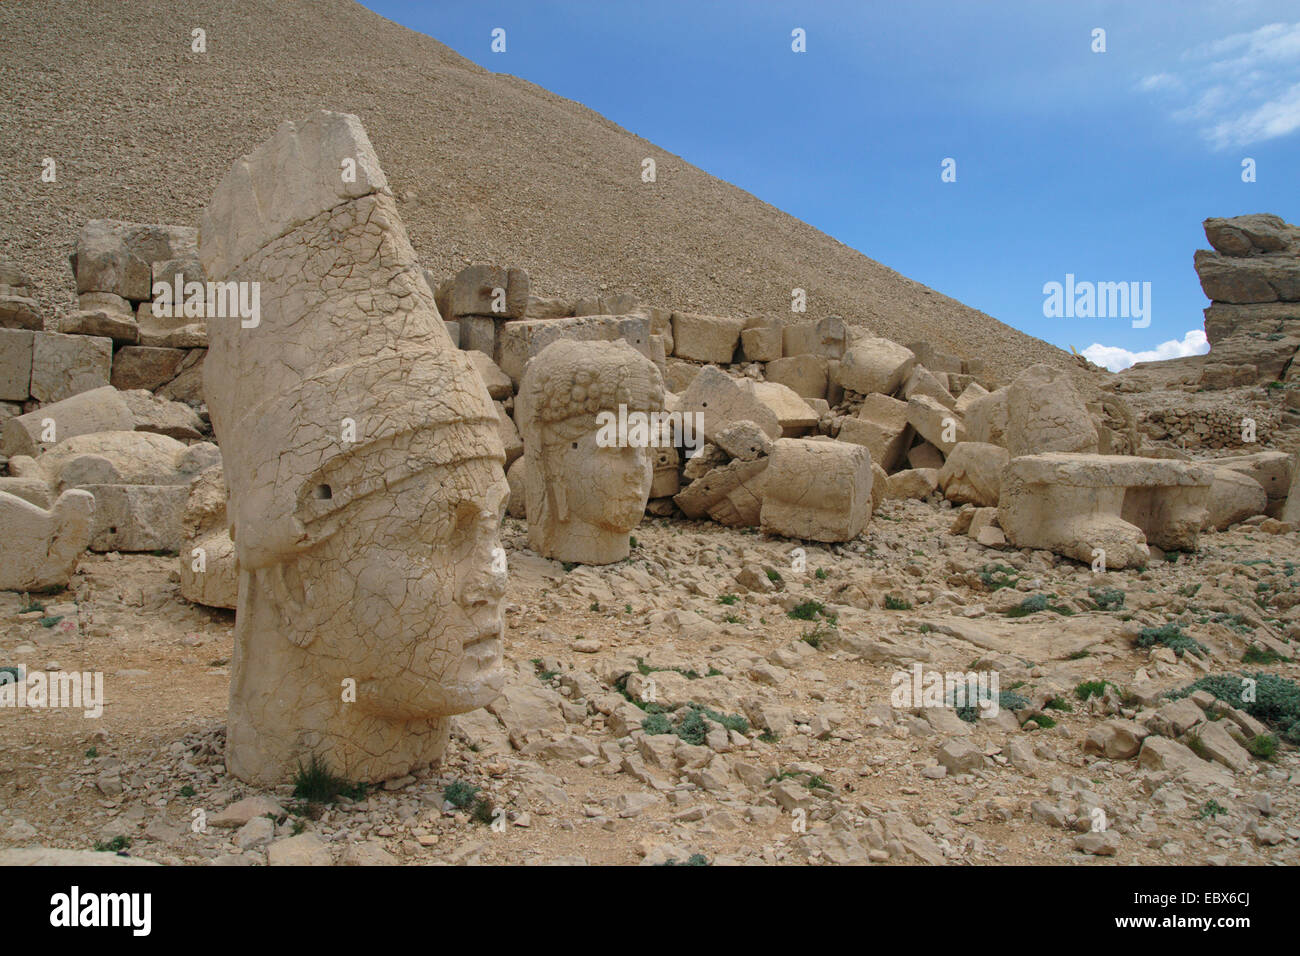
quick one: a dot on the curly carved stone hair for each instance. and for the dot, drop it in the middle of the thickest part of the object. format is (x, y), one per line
(569, 379)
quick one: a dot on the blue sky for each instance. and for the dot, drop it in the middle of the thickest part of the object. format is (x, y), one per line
(1100, 165)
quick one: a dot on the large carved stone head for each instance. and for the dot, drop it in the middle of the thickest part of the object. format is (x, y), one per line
(585, 492)
(364, 469)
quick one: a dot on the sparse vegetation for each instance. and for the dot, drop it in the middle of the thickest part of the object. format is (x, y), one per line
(896, 603)
(1171, 636)
(316, 783)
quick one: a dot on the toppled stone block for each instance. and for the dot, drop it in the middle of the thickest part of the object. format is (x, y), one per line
(1045, 414)
(872, 365)
(936, 359)
(913, 483)
(137, 366)
(521, 340)
(818, 490)
(1233, 497)
(720, 400)
(881, 425)
(16, 347)
(495, 292)
(40, 549)
(1271, 469)
(986, 418)
(744, 440)
(936, 423)
(18, 306)
(827, 337)
(973, 473)
(67, 365)
(730, 494)
(98, 410)
(793, 414)
(207, 555)
(706, 338)
(762, 340)
(1076, 504)
(152, 413)
(806, 375)
(120, 327)
(666, 481)
(498, 382)
(543, 308)
(922, 381)
(924, 455)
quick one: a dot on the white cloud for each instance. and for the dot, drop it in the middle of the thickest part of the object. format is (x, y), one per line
(1116, 359)
(1242, 89)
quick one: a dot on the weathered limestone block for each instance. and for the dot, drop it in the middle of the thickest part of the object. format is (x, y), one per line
(1075, 504)
(1233, 497)
(617, 303)
(806, 375)
(986, 418)
(517, 507)
(744, 440)
(913, 483)
(39, 548)
(720, 400)
(922, 381)
(879, 487)
(120, 327)
(67, 365)
(486, 290)
(666, 481)
(509, 432)
(136, 366)
(520, 341)
(936, 359)
(793, 414)
(705, 338)
(1272, 469)
(730, 494)
(936, 423)
(969, 395)
(18, 306)
(498, 382)
(763, 339)
(973, 473)
(587, 488)
(818, 490)
(873, 365)
(98, 410)
(477, 333)
(152, 413)
(826, 337)
(542, 308)
(16, 346)
(187, 386)
(207, 555)
(369, 564)
(1045, 414)
(881, 425)
(925, 455)
(1250, 234)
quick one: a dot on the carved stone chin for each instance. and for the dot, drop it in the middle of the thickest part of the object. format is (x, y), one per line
(364, 468)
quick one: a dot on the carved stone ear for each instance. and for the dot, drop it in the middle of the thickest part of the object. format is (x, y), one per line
(296, 620)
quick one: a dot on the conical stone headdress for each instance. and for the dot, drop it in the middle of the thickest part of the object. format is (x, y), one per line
(348, 382)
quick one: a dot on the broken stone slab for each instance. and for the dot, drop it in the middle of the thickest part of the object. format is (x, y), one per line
(153, 413)
(98, 410)
(719, 400)
(921, 381)
(806, 375)
(730, 494)
(18, 309)
(498, 382)
(793, 414)
(1077, 505)
(706, 338)
(1271, 469)
(968, 397)
(121, 328)
(67, 365)
(521, 340)
(935, 422)
(986, 418)
(924, 455)
(117, 257)
(39, 548)
(744, 440)
(496, 292)
(913, 483)
(881, 425)
(763, 339)
(16, 347)
(827, 337)
(1233, 497)
(817, 490)
(872, 365)
(1045, 414)
(145, 367)
(936, 359)
(973, 473)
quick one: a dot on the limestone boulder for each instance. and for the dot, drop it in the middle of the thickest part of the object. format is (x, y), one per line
(1046, 414)
(817, 490)
(806, 375)
(730, 494)
(706, 338)
(67, 365)
(913, 483)
(973, 473)
(518, 504)
(793, 414)
(99, 410)
(827, 337)
(870, 365)
(486, 290)
(762, 340)
(143, 367)
(935, 422)
(881, 426)
(921, 381)
(207, 554)
(1234, 497)
(986, 417)
(720, 400)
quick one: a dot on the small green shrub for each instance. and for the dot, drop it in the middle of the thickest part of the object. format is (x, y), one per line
(115, 845)
(896, 604)
(774, 576)
(807, 611)
(459, 794)
(728, 599)
(1260, 655)
(316, 783)
(1263, 746)
(1090, 688)
(820, 574)
(1107, 599)
(1211, 808)
(1171, 635)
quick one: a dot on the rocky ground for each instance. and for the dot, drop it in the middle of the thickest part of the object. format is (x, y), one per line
(824, 768)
